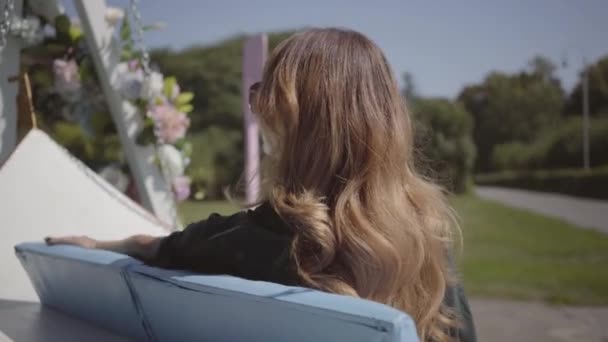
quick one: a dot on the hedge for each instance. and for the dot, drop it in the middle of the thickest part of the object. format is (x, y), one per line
(575, 182)
(556, 148)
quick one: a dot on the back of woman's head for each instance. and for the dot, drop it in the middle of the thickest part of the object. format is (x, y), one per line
(341, 174)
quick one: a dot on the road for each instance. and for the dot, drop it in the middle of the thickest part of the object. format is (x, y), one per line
(586, 213)
(499, 320)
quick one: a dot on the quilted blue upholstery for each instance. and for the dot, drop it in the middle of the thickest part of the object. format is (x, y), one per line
(143, 302)
(188, 307)
(88, 284)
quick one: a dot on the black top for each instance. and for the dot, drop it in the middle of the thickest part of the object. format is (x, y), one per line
(253, 245)
(256, 245)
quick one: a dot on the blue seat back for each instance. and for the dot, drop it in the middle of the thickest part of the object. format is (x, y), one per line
(88, 284)
(145, 303)
(182, 306)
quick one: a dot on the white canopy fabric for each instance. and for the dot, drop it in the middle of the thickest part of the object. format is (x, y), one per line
(46, 191)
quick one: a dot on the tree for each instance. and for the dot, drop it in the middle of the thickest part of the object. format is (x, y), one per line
(510, 108)
(598, 92)
(544, 68)
(443, 141)
(409, 86)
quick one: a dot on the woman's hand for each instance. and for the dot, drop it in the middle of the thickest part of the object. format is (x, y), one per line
(80, 241)
(143, 247)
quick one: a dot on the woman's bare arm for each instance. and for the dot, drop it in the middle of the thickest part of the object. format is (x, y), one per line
(138, 246)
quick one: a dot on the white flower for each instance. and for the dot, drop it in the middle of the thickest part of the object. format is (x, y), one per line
(113, 175)
(128, 81)
(67, 79)
(152, 86)
(172, 159)
(175, 91)
(45, 8)
(114, 15)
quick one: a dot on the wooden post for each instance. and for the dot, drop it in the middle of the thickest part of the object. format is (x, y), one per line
(105, 50)
(9, 66)
(254, 57)
(26, 116)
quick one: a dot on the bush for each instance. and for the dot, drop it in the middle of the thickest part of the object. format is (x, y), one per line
(557, 148)
(217, 160)
(443, 141)
(576, 182)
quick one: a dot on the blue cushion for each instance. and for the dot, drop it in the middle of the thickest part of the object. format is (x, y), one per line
(121, 294)
(88, 284)
(182, 306)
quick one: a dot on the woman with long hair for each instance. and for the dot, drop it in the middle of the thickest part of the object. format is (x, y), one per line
(342, 207)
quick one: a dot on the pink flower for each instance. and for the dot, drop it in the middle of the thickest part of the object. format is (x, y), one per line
(67, 78)
(133, 65)
(170, 125)
(181, 188)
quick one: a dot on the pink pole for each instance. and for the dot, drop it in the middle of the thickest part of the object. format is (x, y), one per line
(254, 56)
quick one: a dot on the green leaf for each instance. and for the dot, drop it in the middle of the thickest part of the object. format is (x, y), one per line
(146, 136)
(99, 122)
(41, 77)
(168, 86)
(148, 122)
(84, 69)
(73, 137)
(142, 106)
(126, 55)
(184, 98)
(125, 30)
(187, 108)
(179, 143)
(187, 149)
(75, 33)
(55, 49)
(127, 46)
(151, 27)
(44, 51)
(62, 24)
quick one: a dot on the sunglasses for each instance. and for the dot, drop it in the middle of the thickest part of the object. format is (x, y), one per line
(253, 93)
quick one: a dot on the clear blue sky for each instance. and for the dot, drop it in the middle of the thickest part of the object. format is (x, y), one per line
(444, 44)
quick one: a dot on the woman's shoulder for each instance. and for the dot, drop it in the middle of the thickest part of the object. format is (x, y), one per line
(262, 217)
(266, 217)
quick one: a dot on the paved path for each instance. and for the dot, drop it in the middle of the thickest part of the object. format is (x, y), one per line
(586, 213)
(504, 320)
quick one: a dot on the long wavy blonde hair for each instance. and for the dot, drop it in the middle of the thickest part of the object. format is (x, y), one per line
(341, 174)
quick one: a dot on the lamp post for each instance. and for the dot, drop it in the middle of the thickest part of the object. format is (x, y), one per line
(585, 107)
(585, 86)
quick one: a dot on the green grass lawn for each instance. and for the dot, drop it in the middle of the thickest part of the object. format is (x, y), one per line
(196, 211)
(511, 253)
(517, 254)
